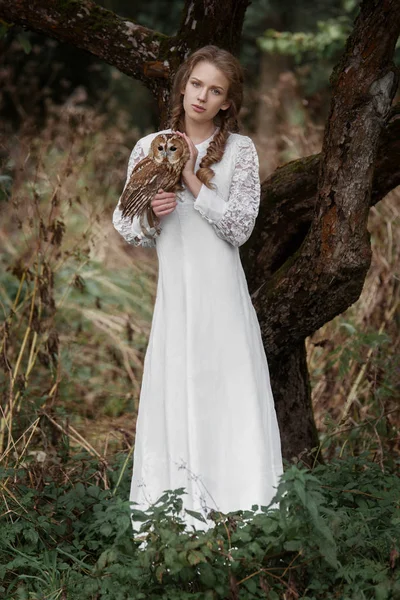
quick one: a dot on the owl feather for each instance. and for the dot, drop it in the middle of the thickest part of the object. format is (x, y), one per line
(160, 169)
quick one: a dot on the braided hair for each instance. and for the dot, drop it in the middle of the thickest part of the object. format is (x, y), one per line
(227, 120)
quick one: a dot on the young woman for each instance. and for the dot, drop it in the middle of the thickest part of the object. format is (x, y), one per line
(206, 419)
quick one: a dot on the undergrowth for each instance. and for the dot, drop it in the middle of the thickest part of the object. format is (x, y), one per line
(335, 535)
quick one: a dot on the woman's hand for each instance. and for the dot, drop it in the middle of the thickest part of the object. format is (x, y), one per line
(163, 203)
(188, 170)
(188, 175)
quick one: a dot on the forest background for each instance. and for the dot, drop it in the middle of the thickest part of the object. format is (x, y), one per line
(75, 328)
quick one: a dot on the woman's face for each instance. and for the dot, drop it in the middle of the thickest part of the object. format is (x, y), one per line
(207, 88)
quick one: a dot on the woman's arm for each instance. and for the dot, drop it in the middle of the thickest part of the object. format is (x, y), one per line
(131, 231)
(234, 220)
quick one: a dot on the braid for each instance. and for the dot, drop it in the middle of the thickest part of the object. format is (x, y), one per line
(176, 120)
(215, 152)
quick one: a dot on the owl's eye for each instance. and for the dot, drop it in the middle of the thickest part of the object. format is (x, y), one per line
(161, 147)
(173, 148)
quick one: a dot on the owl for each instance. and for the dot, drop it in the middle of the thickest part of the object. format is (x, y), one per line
(162, 168)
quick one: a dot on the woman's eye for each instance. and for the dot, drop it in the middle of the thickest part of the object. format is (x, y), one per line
(218, 92)
(195, 83)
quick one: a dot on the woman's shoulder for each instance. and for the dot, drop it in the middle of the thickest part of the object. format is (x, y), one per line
(240, 147)
(238, 139)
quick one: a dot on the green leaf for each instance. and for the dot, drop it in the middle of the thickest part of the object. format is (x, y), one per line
(242, 536)
(328, 551)
(30, 535)
(170, 557)
(25, 43)
(106, 529)
(382, 591)
(300, 491)
(207, 575)
(349, 327)
(251, 585)
(194, 557)
(93, 491)
(293, 545)
(196, 515)
(80, 490)
(160, 572)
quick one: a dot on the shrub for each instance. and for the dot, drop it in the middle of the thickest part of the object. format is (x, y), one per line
(335, 535)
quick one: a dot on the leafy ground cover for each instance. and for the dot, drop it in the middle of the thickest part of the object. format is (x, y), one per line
(335, 535)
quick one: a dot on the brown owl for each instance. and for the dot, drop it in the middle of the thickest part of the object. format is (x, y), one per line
(162, 168)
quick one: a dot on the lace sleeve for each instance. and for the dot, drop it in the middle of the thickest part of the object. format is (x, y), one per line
(131, 231)
(234, 220)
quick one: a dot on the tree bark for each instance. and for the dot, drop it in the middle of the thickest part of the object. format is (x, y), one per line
(288, 199)
(292, 395)
(119, 41)
(326, 273)
(286, 213)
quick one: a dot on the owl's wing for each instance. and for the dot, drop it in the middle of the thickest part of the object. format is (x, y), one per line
(135, 179)
(146, 179)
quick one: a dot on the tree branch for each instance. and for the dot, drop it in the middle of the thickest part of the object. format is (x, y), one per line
(142, 53)
(120, 42)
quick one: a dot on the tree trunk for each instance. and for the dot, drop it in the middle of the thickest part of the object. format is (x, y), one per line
(292, 393)
(326, 274)
(288, 199)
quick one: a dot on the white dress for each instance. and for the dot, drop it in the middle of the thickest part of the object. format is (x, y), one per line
(206, 418)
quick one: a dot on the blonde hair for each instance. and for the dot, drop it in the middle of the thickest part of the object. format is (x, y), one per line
(225, 119)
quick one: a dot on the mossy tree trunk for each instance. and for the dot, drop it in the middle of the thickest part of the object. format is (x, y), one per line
(307, 259)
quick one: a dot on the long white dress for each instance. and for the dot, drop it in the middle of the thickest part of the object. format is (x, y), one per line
(206, 418)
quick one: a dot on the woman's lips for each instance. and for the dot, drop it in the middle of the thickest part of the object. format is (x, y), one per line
(198, 108)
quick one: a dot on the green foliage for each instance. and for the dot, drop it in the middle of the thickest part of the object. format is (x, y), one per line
(314, 38)
(335, 535)
(326, 42)
(325, 38)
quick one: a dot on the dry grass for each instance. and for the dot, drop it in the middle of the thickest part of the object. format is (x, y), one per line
(76, 301)
(369, 390)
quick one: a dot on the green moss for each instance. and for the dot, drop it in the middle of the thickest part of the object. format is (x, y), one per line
(100, 17)
(300, 164)
(65, 5)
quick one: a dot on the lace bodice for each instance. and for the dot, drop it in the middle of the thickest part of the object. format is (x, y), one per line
(231, 208)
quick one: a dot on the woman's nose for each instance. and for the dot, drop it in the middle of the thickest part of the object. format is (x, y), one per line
(202, 95)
